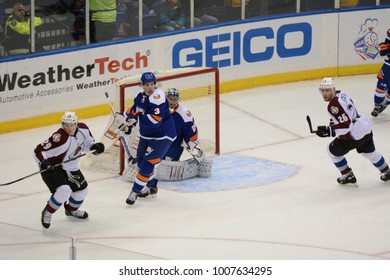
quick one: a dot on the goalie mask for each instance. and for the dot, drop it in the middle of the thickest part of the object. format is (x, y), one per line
(173, 97)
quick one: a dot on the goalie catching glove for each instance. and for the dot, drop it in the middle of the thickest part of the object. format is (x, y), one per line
(98, 148)
(194, 149)
(325, 131)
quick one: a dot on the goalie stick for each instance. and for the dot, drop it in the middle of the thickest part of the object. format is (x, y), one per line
(121, 137)
(41, 171)
(310, 125)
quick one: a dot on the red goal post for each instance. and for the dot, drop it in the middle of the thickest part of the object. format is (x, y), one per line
(199, 93)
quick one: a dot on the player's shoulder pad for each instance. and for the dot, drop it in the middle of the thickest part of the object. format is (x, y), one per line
(83, 125)
(185, 113)
(60, 136)
(157, 97)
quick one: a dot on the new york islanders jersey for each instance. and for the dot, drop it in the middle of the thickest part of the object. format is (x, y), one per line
(348, 124)
(61, 147)
(385, 48)
(186, 130)
(154, 118)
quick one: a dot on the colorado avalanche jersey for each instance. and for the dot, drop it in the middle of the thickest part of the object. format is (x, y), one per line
(61, 147)
(154, 118)
(348, 124)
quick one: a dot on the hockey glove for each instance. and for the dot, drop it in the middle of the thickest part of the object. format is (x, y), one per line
(98, 148)
(131, 160)
(325, 131)
(128, 125)
(194, 149)
(45, 165)
(384, 49)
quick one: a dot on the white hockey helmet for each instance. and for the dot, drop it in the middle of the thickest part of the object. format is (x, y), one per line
(327, 83)
(70, 117)
(173, 96)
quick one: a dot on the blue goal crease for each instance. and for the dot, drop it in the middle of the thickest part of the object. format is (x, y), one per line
(231, 172)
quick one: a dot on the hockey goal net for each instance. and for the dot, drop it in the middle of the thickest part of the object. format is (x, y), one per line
(199, 93)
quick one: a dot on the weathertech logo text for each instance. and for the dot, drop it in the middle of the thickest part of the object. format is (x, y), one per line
(59, 73)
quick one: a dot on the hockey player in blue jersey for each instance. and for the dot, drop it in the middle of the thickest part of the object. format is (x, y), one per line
(157, 132)
(172, 168)
(186, 129)
(382, 94)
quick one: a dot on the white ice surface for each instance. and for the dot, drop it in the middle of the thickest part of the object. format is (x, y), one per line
(304, 216)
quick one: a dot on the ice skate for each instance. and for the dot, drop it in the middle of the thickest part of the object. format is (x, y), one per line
(147, 191)
(77, 214)
(385, 176)
(46, 218)
(377, 110)
(348, 178)
(132, 198)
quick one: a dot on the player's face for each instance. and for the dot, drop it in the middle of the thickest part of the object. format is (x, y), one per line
(173, 102)
(149, 88)
(69, 128)
(327, 94)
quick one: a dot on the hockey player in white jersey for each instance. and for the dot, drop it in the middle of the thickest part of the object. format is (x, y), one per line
(58, 156)
(352, 131)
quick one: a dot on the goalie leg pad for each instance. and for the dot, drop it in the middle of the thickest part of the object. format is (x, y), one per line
(130, 173)
(177, 170)
(205, 167)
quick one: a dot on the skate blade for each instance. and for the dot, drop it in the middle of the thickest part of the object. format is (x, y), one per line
(349, 185)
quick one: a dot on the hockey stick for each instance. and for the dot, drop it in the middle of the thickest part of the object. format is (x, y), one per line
(310, 125)
(109, 102)
(121, 137)
(41, 171)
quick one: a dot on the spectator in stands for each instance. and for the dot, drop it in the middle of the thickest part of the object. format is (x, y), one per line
(125, 31)
(2, 27)
(132, 10)
(309, 5)
(75, 7)
(17, 30)
(172, 16)
(348, 3)
(200, 18)
(233, 9)
(103, 20)
(2, 15)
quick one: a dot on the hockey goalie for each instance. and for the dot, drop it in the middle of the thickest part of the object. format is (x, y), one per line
(170, 168)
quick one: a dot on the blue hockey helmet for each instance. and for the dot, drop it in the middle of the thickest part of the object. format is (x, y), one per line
(148, 77)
